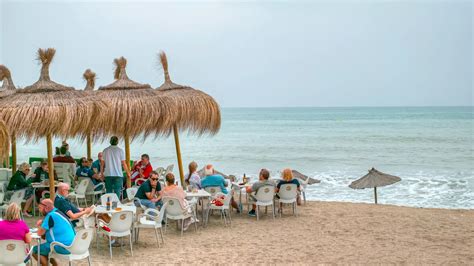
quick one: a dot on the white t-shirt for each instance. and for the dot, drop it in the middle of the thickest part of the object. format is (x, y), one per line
(113, 157)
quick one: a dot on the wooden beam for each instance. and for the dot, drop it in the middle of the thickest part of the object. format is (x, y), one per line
(49, 143)
(375, 194)
(89, 146)
(178, 154)
(13, 154)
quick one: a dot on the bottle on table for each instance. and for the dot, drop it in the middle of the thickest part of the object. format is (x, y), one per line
(107, 204)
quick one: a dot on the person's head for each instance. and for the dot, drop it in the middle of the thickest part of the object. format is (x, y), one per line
(169, 179)
(192, 167)
(100, 156)
(264, 174)
(145, 158)
(84, 162)
(25, 168)
(153, 177)
(62, 150)
(286, 174)
(114, 141)
(13, 212)
(46, 206)
(63, 189)
(44, 166)
(209, 170)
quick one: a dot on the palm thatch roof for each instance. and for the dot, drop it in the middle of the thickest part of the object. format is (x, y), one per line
(4, 142)
(134, 108)
(195, 110)
(303, 177)
(8, 88)
(373, 179)
(89, 77)
(47, 107)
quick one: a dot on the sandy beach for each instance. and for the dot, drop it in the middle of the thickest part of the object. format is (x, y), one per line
(323, 233)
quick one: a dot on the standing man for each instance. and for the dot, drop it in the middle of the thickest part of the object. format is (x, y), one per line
(111, 167)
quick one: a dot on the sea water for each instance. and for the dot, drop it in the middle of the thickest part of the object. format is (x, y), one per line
(430, 148)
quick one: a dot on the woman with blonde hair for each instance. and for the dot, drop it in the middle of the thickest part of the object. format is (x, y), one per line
(18, 181)
(192, 178)
(287, 178)
(13, 228)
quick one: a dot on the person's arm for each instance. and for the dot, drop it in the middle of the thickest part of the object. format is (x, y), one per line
(27, 238)
(74, 216)
(102, 166)
(146, 173)
(126, 168)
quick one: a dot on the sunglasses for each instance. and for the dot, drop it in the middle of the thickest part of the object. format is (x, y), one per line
(154, 179)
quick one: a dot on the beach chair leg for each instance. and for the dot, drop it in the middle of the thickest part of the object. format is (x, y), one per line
(131, 245)
(195, 224)
(304, 197)
(257, 210)
(182, 226)
(230, 218)
(157, 241)
(166, 224)
(110, 246)
(89, 260)
(161, 234)
(273, 211)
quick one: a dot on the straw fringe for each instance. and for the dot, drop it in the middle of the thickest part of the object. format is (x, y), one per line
(8, 88)
(4, 142)
(89, 77)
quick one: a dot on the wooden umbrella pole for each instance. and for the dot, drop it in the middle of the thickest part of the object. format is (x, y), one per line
(49, 143)
(127, 159)
(89, 146)
(375, 194)
(178, 154)
(13, 154)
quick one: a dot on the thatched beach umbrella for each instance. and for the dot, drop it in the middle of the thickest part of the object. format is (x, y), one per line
(303, 177)
(135, 109)
(47, 109)
(195, 110)
(4, 142)
(8, 88)
(374, 179)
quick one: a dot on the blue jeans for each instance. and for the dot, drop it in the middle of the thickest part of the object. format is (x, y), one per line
(114, 184)
(150, 204)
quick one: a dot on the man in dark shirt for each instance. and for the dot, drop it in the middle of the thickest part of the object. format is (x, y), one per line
(62, 203)
(149, 192)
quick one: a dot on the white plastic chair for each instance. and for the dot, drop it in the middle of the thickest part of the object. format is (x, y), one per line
(13, 252)
(303, 186)
(288, 194)
(139, 181)
(120, 225)
(224, 209)
(213, 190)
(151, 218)
(169, 169)
(174, 211)
(79, 249)
(96, 190)
(17, 198)
(131, 192)
(80, 191)
(113, 197)
(264, 198)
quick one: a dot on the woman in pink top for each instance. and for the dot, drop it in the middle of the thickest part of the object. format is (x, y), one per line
(13, 228)
(174, 191)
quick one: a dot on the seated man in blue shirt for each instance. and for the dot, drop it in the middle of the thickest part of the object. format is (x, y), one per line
(56, 228)
(149, 192)
(85, 171)
(212, 179)
(62, 203)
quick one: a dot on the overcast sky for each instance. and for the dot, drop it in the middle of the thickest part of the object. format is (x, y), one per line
(333, 53)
